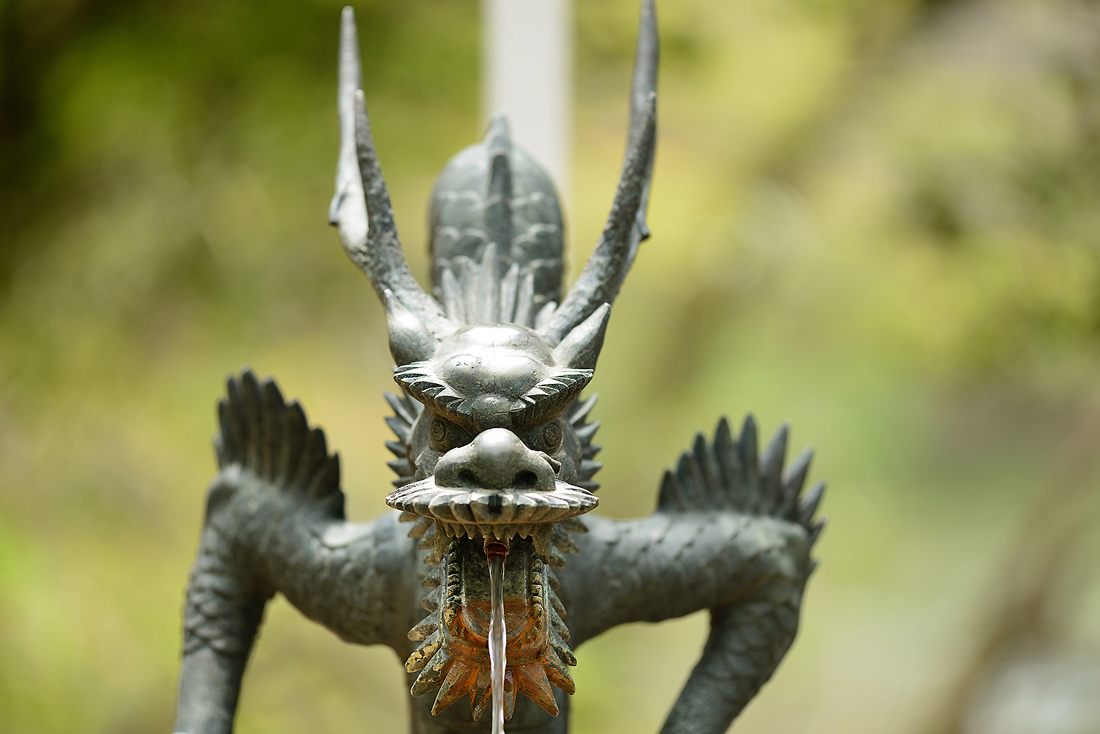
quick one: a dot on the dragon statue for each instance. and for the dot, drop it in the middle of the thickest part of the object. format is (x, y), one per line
(494, 457)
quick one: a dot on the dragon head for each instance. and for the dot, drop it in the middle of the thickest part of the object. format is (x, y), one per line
(493, 457)
(494, 454)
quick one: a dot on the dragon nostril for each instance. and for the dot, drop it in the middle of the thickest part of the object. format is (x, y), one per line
(525, 479)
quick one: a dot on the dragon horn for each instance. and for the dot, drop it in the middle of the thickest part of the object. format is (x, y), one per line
(361, 209)
(603, 275)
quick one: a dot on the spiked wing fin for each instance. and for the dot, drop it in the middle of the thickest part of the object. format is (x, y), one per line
(496, 234)
(732, 534)
(275, 524)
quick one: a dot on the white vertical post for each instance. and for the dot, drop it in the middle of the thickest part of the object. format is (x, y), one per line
(527, 71)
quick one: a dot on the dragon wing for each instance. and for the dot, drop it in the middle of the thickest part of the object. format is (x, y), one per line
(730, 534)
(275, 524)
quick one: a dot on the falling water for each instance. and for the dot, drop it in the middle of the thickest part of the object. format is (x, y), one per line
(497, 659)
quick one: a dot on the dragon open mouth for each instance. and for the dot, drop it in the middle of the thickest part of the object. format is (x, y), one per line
(497, 514)
(457, 523)
(453, 654)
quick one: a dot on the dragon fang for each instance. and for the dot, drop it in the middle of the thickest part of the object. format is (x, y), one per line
(493, 455)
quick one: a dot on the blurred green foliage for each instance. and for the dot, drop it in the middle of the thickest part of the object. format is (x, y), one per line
(879, 219)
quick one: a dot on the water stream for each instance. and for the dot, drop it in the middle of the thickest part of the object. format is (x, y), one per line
(497, 659)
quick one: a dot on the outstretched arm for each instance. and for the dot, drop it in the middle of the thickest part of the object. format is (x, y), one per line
(730, 535)
(275, 523)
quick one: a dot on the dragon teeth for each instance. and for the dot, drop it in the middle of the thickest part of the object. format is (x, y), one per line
(483, 507)
(545, 536)
(460, 508)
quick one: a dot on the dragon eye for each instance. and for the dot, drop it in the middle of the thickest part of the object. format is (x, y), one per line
(438, 430)
(445, 435)
(551, 437)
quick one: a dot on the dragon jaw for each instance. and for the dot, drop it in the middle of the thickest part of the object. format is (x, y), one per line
(453, 651)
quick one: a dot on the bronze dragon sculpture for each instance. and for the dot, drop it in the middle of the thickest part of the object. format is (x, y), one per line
(494, 454)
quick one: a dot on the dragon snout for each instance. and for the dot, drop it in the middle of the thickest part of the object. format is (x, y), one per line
(495, 459)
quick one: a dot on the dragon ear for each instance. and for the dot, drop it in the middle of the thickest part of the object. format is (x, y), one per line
(581, 347)
(410, 340)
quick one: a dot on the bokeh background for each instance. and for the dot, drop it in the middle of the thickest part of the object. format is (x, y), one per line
(876, 219)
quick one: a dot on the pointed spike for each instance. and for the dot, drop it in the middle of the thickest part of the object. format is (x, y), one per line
(479, 699)
(433, 674)
(545, 314)
(296, 434)
(771, 464)
(573, 525)
(509, 693)
(508, 286)
(237, 423)
(750, 465)
(709, 474)
(557, 560)
(229, 447)
(525, 300)
(399, 428)
(588, 484)
(498, 210)
(400, 467)
(456, 685)
(691, 480)
(563, 542)
(586, 432)
(727, 453)
(816, 528)
(556, 604)
(273, 415)
(373, 243)
(250, 394)
(613, 255)
(471, 286)
(347, 167)
(794, 478)
(425, 628)
(558, 625)
(590, 451)
(327, 480)
(557, 673)
(424, 654)
(432, 600)
(397, 449)
(453, 298)
(399, 408)
(581, 409)
(488, 305)
(564, 653)
(309, 461)
(808, 506)
(671, 496)
(533, 682)
(440, 544)
(421, 528)
(434, 578)
(580, 348)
